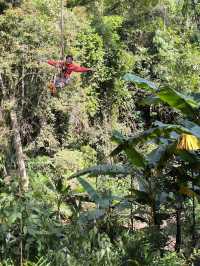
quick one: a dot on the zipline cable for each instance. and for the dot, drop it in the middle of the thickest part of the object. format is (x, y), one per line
(62, 28)
(60, 73)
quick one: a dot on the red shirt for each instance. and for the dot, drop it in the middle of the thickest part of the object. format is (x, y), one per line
(68, 68)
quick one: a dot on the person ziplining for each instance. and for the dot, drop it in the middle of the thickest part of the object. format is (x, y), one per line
(67, 67)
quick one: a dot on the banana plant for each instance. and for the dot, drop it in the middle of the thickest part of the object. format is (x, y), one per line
(188, 131)
(164, 158)
(187, 105)
(188, 128)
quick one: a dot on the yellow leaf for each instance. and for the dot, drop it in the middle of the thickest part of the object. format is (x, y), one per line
(188, 142)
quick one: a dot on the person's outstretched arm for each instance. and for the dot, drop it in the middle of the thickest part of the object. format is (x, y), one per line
(81, 69)
(55, 63)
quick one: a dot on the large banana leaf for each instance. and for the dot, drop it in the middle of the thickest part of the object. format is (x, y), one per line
(186, 127)
(105, 169)
(140, 197)
(103, 202)
(161, 131)
(136, 158)
(187, 105)
(155, 100)
(192, 127)
(133, 155)
(158, 157)
(90, 190)
(143, 83)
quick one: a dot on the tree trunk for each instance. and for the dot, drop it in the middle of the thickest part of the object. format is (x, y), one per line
(178, 224)
(147, 116)
(178, 230)
(7, 178)
(131, 214)
(24, 181)
(155, 216)
(193, 217)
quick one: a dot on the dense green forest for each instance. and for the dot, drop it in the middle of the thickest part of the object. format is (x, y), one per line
(107, 170)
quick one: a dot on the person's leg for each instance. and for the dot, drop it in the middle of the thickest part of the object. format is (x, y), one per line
(61, 82)
(58, 82)
(52, 88)
(66, 81)
(54, 84)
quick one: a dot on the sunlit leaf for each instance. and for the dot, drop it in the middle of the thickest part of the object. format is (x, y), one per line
(143, 83)
(185, 104)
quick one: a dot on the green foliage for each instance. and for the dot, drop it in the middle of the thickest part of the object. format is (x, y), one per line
(138, 251)
(108, 28)
(59, 221)
(29, 218)
(91, 52)
(142, 82)
(171, 259)
(68, 161)
(187, 105)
